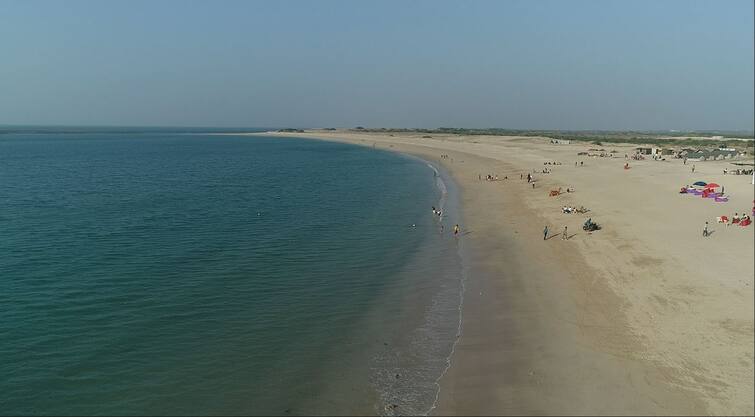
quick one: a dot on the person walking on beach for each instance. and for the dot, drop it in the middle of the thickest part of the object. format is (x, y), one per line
(565, 235)
(705, 230)
(693, 168)
(456, 230)
(545, 233)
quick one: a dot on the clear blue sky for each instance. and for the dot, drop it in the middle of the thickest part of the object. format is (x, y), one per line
(534, 64)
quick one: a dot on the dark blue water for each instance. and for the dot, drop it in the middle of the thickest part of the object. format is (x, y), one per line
(166, 273)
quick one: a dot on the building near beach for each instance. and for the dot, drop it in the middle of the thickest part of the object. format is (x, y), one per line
(654, 151)
(714, 155)
(645, 151)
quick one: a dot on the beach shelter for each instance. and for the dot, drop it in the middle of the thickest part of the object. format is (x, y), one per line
(712, 185)
(700, 183)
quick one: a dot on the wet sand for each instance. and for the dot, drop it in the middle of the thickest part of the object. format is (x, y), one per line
(642, 317)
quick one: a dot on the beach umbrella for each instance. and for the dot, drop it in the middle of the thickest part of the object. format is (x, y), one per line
(700, 183)
(712, 185)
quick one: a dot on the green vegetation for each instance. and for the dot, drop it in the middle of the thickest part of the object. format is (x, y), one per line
(291, 130)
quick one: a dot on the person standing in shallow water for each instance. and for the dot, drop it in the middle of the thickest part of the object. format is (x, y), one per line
(456, 230)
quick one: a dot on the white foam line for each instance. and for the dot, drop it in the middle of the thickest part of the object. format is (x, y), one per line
(462, 289)
(453, 347)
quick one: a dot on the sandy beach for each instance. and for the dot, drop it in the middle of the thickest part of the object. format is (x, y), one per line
(642, 317)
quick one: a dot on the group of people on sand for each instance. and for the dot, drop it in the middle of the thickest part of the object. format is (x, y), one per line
(745, 220)
(564, 234)
(706, 192)
(552, 163)
(444, 156)
(737, 172)
(559, 192)
(490, 177)
(570, 210)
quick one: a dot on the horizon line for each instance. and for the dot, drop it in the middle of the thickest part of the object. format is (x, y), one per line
(5, 126)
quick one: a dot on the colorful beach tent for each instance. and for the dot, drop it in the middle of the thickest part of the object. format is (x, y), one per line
(700, 183)
(712, 185)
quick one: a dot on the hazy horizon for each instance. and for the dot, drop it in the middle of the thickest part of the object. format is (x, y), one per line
(578, 65)
(168, 127)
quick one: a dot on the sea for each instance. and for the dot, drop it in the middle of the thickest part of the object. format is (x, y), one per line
(184, 271)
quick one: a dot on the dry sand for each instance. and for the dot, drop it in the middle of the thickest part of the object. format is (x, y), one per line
(643, 317)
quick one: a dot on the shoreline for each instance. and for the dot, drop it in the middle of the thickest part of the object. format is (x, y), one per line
(444, 338)
(453, 197)
(430, 301)
(574, 328)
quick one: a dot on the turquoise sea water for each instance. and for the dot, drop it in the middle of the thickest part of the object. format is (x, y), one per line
(169, 273)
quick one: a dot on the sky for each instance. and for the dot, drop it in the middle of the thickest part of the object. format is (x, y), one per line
(569, 65)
